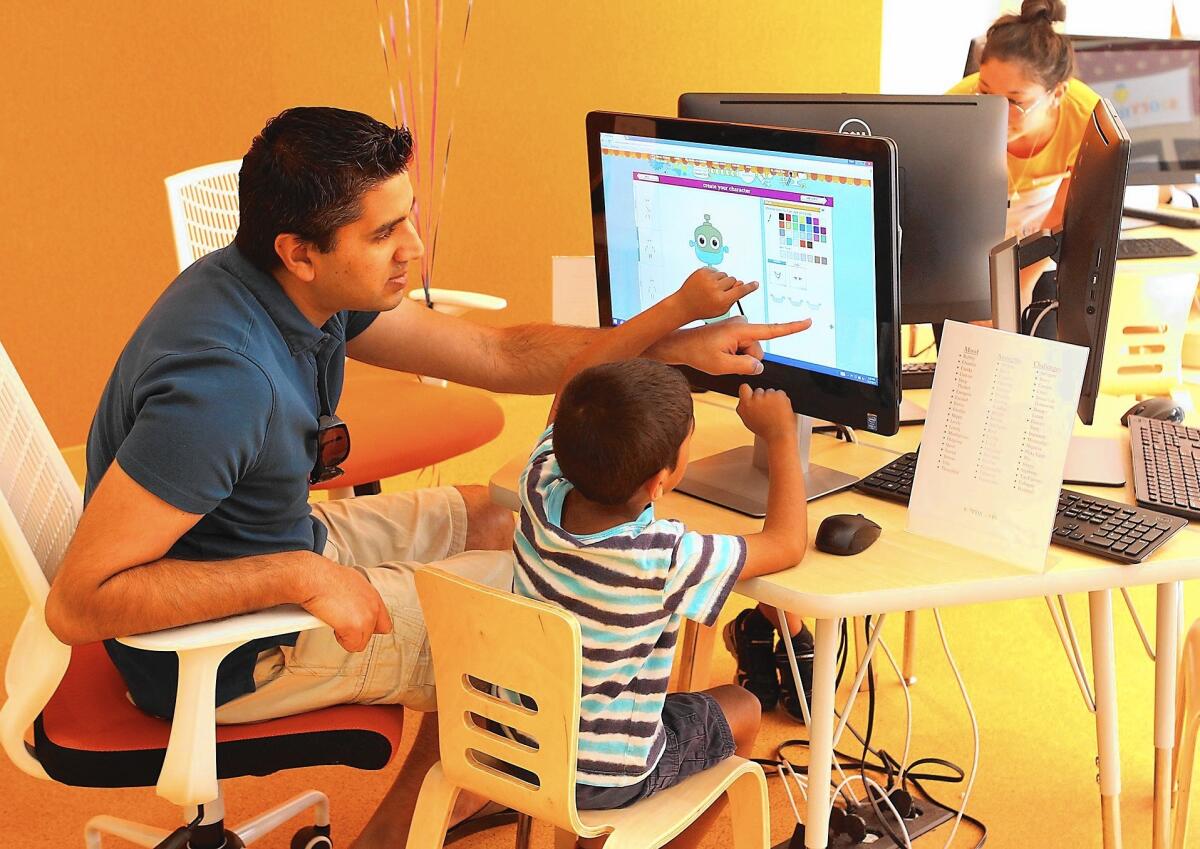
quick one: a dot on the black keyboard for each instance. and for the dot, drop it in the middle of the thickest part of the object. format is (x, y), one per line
(1183, 220)
(1165, 475)
(1152, 249)
(916, 375)
(1096, 525)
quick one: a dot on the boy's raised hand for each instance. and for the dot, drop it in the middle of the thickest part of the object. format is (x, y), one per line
(708, 293)
(766, 412)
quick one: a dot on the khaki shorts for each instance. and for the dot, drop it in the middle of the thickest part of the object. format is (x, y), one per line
(387, 538)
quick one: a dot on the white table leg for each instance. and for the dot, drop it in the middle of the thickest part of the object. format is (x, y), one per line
(1166, 667)
(816, 820)
(1104, 669)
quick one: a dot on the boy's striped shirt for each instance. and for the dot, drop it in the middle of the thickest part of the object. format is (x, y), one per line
(629, 587)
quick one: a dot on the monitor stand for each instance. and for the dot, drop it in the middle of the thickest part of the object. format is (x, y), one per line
(911, 412)
(737, 478)
(1093, 461)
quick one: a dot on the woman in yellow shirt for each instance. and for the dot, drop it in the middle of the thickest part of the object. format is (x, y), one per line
(1030, 64)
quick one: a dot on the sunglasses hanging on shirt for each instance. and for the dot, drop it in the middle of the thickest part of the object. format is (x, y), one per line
(333, 447)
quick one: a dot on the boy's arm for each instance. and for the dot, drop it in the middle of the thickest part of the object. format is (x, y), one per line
(784, 538)
(707, 293)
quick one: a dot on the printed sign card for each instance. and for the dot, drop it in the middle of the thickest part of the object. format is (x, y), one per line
(995, 443)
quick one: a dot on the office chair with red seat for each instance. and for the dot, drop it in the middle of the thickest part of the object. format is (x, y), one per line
(399, 422)
(85, 731)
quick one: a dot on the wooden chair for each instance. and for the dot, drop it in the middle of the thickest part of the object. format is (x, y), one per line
(1143, 346)
(480, 636)
(1187, 723)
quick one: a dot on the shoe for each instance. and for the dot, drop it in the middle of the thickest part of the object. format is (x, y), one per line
(802, 644)
(748, 638)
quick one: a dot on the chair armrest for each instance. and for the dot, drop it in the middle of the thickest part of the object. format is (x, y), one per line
(189, 772)
(231, 631)
(455, 301)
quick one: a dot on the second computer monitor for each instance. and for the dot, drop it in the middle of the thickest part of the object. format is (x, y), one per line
(953, 181)
(1088, 243)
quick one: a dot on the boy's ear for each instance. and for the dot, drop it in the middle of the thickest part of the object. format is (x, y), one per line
(655, 487)
(294, 253)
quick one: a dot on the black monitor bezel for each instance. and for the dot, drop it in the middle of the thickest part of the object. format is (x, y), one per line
(849, 402)
(1088, 254)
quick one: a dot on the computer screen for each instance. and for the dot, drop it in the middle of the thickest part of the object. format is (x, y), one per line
(802, 223)
(803, 226)
(953, 181)
(810, 216)
(1154, 86)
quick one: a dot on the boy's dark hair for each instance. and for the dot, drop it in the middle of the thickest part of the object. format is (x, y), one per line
(618, 425)
(1029, 38)
(306, 173)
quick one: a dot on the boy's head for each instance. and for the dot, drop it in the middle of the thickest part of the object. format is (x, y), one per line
(621, 426)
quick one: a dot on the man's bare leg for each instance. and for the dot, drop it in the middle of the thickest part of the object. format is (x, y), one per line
(489, 527)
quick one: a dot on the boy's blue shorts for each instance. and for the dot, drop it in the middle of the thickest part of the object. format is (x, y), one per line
(698, 737)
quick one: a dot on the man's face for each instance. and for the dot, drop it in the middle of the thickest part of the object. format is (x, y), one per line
(368, 267)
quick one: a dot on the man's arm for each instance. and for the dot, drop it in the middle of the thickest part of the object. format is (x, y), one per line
(114, 579)
(530, 358)
(706, 293)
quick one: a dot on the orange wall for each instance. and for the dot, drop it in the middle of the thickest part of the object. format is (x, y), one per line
(104, 101)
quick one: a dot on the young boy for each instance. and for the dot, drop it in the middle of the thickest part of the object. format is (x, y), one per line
(588, 540)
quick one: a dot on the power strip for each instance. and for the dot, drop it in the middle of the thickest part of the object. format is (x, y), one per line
(930, 818)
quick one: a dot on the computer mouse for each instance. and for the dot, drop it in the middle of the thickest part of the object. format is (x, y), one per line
(846, 534)
(1163, 409)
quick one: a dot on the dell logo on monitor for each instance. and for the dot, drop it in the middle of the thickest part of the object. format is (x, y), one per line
(855, 127)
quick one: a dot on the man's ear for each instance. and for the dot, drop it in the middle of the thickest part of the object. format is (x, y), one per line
(295, 254)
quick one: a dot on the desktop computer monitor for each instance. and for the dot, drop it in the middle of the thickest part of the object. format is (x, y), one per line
(811, 216)
(1154, 85)
(953, 181)
(1085, 247)
(1088, 243)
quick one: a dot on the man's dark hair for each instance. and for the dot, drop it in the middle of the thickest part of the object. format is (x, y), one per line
(306, 173)
(618, 425)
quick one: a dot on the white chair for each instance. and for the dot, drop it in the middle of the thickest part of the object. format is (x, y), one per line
(85, 732)
(204, 217)
(480, 636)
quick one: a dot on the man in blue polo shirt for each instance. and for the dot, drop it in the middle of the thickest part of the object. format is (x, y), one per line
(221, 410)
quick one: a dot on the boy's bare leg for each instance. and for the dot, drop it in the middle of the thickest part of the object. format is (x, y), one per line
(743, 712)
(795, 623)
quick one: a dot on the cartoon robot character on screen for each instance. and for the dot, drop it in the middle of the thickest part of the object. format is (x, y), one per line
(710, 249)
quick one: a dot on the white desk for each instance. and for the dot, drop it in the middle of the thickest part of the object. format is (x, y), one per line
(902, 572)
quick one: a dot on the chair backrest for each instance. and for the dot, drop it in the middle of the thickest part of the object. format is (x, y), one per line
(1143, 348)
(40, 505)
(204, 209)
(40, 502)
(479, 637)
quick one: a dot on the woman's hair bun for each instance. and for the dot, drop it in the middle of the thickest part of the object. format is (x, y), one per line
(1048, 10)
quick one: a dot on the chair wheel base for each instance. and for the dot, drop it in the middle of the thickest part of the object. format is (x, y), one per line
(312, 837)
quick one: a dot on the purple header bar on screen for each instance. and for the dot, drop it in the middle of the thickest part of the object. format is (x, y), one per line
(732, 189)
